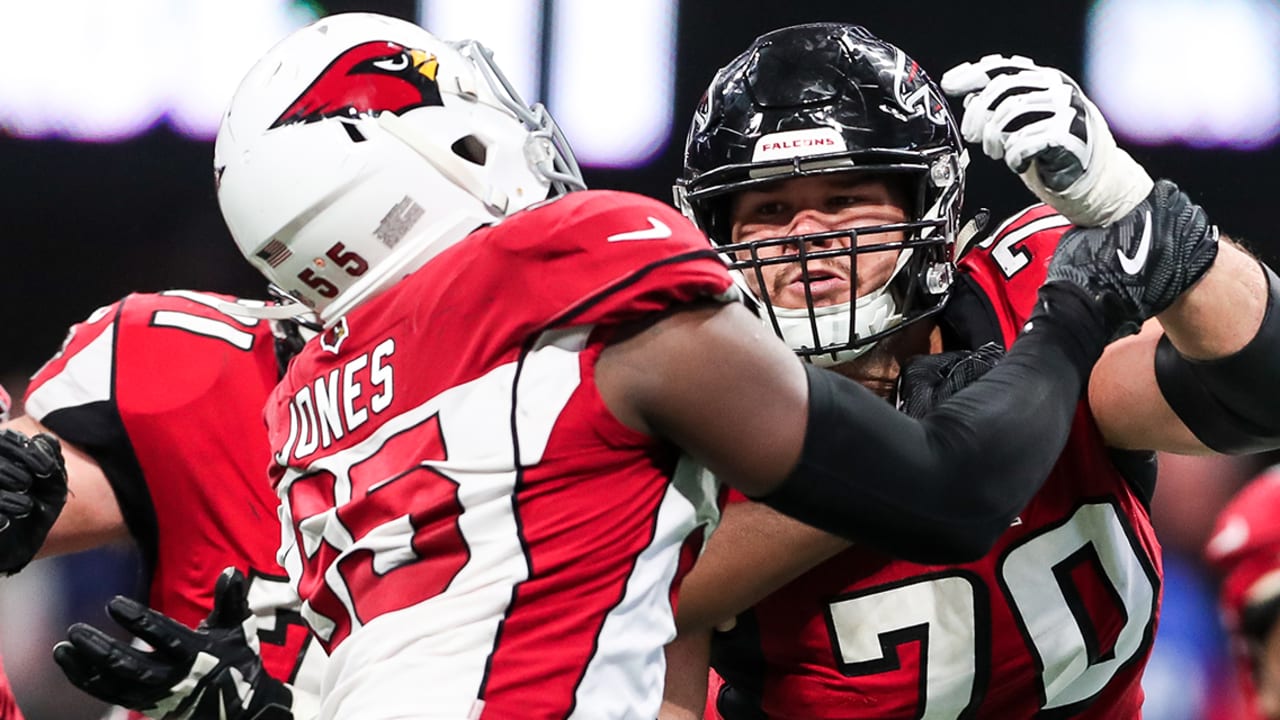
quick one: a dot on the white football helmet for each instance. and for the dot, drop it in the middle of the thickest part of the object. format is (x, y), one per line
(361, 146)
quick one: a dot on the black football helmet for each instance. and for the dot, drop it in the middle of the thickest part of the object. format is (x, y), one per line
(831, 98)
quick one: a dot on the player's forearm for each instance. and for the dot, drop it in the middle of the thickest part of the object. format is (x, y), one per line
(1216, 365)
(91, 517)
(1223, 311)
(685, 693)
(754, 551)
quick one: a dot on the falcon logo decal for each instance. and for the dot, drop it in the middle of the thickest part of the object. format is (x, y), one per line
(367, 79)
(913, 94)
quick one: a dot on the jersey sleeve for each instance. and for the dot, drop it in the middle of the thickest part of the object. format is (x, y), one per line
(138, 362)
(609, 256)
(1010, 264)
(73, 395)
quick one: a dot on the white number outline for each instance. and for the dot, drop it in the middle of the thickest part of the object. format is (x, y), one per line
(1010, 259)
(205, 326)
(873, 604)
(276, 607)
(1062, 695)
(1018, 583)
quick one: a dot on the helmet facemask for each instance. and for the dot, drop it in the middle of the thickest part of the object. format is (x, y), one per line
(826, 332)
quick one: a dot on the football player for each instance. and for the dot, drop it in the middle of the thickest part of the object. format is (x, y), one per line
(827, 166)
(1245, 551)
(157, 400)
(477, 458)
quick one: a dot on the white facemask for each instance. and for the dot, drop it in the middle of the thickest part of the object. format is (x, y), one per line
(872, 313)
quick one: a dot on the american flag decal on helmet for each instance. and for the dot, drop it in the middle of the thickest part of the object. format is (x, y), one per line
(275, 252)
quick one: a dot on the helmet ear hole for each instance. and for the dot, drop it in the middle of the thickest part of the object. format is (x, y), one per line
(471, 149)
(328, 131)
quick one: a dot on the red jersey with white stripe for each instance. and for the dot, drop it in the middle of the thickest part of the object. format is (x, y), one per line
(475, 534)
(165, 392)
(1056, 621)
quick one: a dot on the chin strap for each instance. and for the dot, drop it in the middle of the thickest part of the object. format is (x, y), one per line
(291, 311)
(971, 230)
(286, 307)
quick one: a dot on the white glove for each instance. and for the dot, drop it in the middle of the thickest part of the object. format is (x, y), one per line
(1040, 123)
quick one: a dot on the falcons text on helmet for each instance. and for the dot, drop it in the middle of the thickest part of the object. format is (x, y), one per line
(367, 79)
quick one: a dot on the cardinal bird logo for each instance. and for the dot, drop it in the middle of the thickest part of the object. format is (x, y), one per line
(367, 79)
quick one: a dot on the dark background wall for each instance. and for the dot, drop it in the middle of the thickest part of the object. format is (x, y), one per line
(82, 224)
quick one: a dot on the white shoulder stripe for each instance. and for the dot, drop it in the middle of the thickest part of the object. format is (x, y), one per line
(1044, 223)
(1047, 222)
(86, 378)
(207, 327)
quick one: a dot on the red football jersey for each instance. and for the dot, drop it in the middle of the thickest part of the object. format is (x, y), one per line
(475, 532)
(165, 392)
(8, 703)
(1056, 621)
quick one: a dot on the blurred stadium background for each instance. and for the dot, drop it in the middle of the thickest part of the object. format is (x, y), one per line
(107, 112)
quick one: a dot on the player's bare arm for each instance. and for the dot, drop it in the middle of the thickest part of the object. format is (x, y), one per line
(33, 490)
(754, 551)
(1216, 319)
(1204, 384)
(685, 691)
(91, 516)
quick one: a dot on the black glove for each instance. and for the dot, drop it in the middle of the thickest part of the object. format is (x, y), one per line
(928, 380)
(213, 672)
(1139, 265)
(33, 489)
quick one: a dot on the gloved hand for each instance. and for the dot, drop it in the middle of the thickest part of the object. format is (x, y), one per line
(1044, 128)
(33, 489)
(212, 672)
(928, 380)
(1138, 266)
